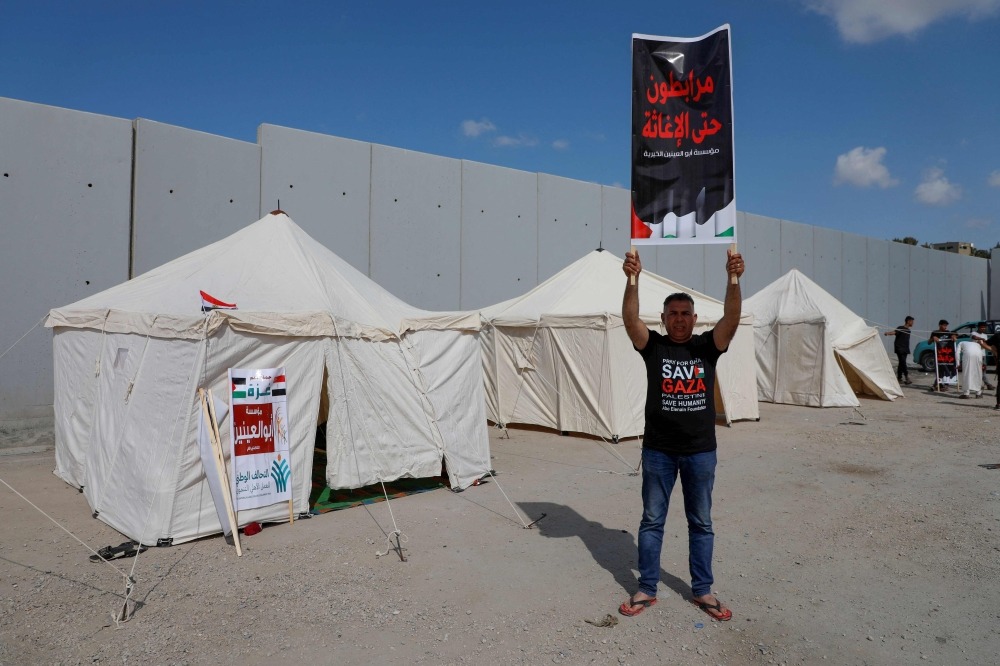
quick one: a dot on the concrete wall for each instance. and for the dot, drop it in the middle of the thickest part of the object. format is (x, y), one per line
(440, 233)
(65, 188)
(191, 189)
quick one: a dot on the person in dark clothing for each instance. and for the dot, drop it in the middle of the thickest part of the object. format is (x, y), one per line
(679, 438)
(901, 346)
(993, 344)
(942, 333)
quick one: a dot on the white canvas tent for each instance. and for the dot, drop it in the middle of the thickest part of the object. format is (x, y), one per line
(812, 350)
(558, 356)
(399, 388)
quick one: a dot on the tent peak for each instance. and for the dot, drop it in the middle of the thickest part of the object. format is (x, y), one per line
(278, 211)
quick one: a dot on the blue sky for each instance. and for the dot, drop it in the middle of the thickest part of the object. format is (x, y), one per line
(880, 118)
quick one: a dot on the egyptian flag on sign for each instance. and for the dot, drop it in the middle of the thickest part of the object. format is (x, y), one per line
(278, 385)
(209, 302)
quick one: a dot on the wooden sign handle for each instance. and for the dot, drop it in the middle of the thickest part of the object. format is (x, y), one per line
(732, 278)
(631, 278)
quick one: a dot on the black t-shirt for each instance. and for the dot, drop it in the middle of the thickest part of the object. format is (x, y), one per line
(902, 343)
(680, 394)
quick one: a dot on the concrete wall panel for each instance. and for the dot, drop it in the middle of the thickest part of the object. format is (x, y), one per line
(993, 278)
(854, 274)
(938, 296)
(716, 277)
(899, 284)
(191, 189)
(616, 220)
(760, 243)
(684, 264)
(416, 236)
(828, 260)
(953, 286)
(877, 286)
(974, 287)
(569, 222)
(65, 191)
(323, 183)
(919, 281)
(499, 234)
(797, 248)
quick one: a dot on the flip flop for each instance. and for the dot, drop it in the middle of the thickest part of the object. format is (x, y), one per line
(724, 614)
(643, 604)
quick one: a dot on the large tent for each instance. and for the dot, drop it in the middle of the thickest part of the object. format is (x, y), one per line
(400, 388)
(558, 356)
(813, 350)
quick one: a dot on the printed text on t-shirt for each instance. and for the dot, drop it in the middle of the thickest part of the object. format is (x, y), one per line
(684, 386)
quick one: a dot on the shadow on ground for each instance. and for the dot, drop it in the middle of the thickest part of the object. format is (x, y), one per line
(614, 550)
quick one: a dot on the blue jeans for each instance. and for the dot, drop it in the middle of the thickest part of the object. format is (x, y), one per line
(659, 472)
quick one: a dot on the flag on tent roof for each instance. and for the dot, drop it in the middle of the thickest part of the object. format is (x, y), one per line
(209, 302)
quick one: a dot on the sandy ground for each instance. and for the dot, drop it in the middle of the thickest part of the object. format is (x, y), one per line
(843, 537)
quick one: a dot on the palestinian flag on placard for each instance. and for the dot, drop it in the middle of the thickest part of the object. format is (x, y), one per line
(699, 372)
(239, 387)
(278, 385)
(209, 302)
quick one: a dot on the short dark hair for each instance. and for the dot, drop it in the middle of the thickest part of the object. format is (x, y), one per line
(909, 318)
(943, 322)
(678, 296)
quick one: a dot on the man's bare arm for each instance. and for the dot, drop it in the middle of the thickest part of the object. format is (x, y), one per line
(724, 331)
(637, 331)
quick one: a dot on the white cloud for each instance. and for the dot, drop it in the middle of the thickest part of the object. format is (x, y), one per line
(865, 21)
(505, 141)
(936, 190)
(863, 167)
(977, 223)
(560, 144)
(476, 128)
(994, 179)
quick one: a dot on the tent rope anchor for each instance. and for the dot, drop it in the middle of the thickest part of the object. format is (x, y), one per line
(124, 615)
(535, 521)
(400, 540)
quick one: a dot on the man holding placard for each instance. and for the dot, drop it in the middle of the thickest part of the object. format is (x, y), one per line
(682, 194)
(679, 438)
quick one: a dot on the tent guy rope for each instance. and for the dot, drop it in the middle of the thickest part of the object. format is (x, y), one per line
(37, 324)
(120, 616)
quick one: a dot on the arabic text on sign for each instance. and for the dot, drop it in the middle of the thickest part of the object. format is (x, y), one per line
(665, 90)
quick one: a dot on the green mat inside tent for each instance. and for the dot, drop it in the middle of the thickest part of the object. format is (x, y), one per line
(322, 498)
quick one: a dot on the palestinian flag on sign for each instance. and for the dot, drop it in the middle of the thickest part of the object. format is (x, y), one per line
(239, 387)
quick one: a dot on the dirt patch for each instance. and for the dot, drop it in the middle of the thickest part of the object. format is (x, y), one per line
(835, 543)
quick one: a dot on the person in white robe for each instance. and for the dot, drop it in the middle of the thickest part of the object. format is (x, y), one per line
(970, 365)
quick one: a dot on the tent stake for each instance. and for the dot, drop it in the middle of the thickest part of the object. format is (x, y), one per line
(399, 548)
(536, 520)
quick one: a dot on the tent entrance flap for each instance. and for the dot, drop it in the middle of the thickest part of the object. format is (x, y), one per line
(799, 371)
(859, 383)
